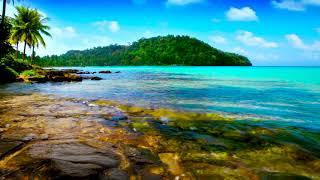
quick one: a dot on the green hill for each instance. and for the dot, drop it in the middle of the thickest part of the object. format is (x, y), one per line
(161, 50)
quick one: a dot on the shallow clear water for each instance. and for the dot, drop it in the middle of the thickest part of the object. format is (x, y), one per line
(276, 95)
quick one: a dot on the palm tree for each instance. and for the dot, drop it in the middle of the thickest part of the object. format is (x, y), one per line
(29, 25)
(4, 6)
(39, 29)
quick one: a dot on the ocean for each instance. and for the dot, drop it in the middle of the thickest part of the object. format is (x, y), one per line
(282, 96)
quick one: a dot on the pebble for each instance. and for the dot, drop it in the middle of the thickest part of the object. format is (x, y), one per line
(29, 137)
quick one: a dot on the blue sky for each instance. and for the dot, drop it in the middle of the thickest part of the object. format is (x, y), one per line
(269, 32)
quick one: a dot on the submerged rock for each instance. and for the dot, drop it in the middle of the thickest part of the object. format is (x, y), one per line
(105, 72)
(119, 118)
(96, 78)
(115, 174)
(83, 72)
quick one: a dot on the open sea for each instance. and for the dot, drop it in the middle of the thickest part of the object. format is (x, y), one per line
(282, 96)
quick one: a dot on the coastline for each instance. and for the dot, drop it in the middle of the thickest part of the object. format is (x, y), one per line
(162, 143)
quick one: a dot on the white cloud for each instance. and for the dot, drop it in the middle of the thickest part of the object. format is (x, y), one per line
(298, 43)
(241, 14)
(255, 56)
(249, 39)
(65, 32)
(218, 39)
(240, 50)
(295, 5)
(289, 5)
(147, 34)
(112, 26)
(183, 2)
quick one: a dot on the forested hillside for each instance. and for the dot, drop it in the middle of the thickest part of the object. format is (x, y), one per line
(161, 50)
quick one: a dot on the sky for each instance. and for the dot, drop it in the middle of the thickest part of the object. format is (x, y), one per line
(269, 32)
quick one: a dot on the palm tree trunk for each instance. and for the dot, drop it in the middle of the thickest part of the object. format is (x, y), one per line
(17, 53)
(24, 50)
(3, 11)
(32, 56)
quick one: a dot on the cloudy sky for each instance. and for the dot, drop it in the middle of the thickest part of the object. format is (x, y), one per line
(269, 32)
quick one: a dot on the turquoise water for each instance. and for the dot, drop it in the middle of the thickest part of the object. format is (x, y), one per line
(277, 95)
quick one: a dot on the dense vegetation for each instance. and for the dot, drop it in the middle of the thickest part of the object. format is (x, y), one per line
(161, 50)
(27, 27)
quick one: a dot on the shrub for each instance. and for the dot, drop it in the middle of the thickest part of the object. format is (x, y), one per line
(18, 65)
(29, 73)
(7, 74)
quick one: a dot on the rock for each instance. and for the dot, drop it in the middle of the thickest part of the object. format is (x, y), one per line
(62, 76)
(97, 159)
(64, 169)
(29, 137)
(44, 137)
(78, 153)
(104, 72)
(96, 78)
(115, 174)
(72, 71)
(119, 118)
(83, 72)
(117, 72)
(38, 79)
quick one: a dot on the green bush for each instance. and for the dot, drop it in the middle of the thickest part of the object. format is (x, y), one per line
(18, 65)
(7, 74)
(29, 73)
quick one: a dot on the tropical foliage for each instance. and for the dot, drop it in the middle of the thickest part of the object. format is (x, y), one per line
(161, 50)
(5, 32)
(27, 27)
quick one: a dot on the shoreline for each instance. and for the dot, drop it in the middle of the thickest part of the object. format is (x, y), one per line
(201, 146)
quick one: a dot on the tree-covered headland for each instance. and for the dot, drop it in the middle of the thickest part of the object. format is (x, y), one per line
(161, 50)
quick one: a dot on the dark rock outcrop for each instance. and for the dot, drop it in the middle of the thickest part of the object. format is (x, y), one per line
(96, 78)
(105, 72)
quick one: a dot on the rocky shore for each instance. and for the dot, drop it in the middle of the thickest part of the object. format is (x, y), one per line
(65, 75)
(59, 138)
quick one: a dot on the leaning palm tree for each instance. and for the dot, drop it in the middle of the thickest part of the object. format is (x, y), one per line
(29, 26)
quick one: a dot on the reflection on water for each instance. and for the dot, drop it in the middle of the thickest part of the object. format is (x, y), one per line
(282, 94)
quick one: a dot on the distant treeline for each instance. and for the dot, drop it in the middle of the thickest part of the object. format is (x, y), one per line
(161, 50)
